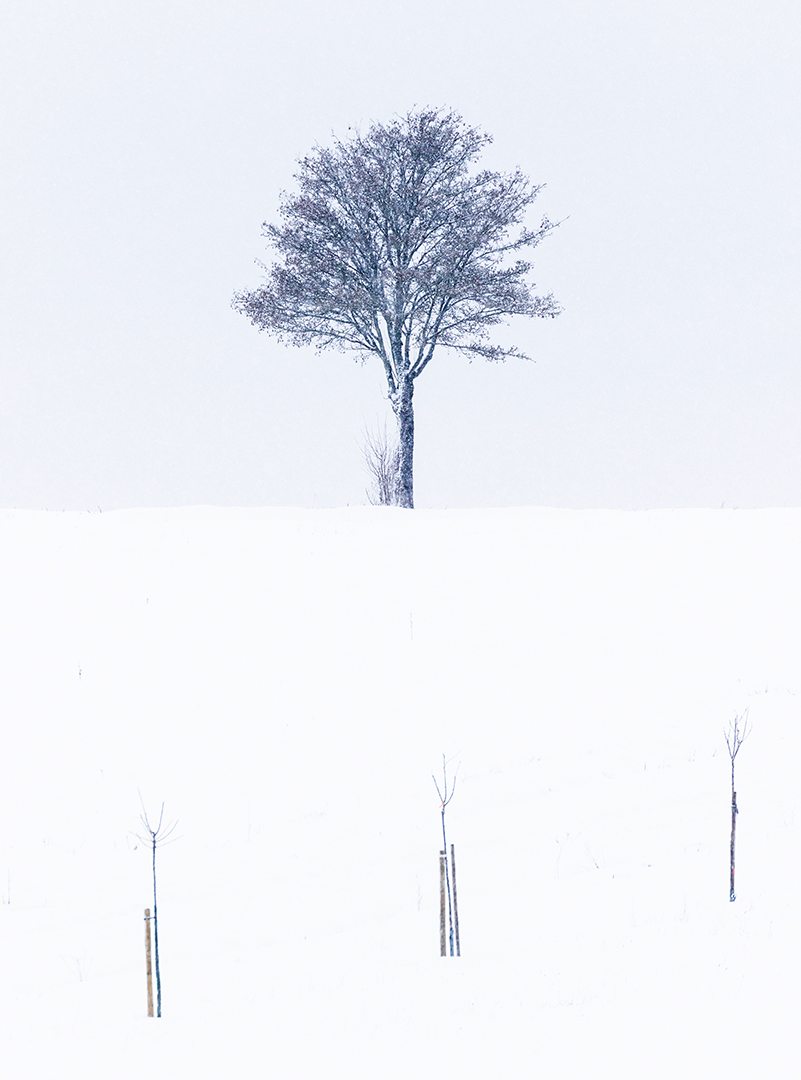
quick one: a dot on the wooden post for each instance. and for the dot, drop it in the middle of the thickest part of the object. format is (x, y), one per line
(149, 965)
(734, 813)
(455, 907)
(442, 945)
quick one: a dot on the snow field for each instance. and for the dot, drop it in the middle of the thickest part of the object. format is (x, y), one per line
(286, 682)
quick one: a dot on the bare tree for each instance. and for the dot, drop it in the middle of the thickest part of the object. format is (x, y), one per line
(736, 734)
(395, 245)
(445, 797)
(382, 462)
(155, 838)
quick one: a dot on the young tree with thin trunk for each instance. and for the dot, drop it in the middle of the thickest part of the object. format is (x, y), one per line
(155, 838)
(396, 245)
(445, 797)
(736, 734)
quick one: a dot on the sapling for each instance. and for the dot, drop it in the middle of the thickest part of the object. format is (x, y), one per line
(736, 734)
(382, 462)
(445, 797)
(155, 838)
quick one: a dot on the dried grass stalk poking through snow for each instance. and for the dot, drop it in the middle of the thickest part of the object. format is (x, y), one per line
(738, 731)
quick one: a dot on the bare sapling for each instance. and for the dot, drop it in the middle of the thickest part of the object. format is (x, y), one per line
(155, 837)
(382, 462)
(445, 797)
(736, 734)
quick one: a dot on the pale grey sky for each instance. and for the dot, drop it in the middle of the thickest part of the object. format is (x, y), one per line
(144, 144)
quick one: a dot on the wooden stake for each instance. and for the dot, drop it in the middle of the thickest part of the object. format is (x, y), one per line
(455, 908)
(149, 966)
(442, 936)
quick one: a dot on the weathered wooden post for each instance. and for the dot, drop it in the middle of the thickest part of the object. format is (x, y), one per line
(455, 907)
(442, 936)
(149, 965)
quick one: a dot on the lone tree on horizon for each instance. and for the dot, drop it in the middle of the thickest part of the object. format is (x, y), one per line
(394, 245)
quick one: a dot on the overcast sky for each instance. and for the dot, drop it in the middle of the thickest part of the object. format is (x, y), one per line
(144, 144)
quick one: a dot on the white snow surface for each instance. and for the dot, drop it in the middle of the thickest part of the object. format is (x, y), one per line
(286, 682)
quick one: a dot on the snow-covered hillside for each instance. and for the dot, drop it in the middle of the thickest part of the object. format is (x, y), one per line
(287, 681)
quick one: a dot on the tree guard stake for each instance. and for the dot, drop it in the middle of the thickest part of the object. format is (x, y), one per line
(149, 964)
(455, 908)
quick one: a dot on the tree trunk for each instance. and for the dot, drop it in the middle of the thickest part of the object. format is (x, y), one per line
(404, 412)
(156, 935)
(447, 883)
(442, 937)
(734, 812)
